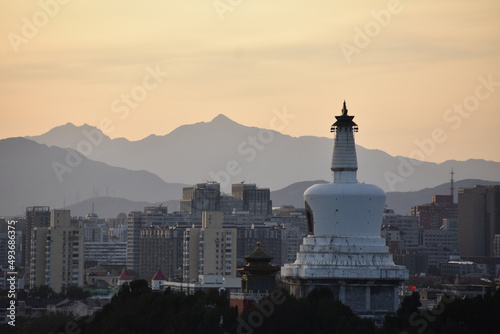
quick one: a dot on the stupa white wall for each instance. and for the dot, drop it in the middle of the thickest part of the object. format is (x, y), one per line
(344, 251)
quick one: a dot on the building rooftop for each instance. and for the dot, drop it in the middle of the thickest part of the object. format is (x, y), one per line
(125, 276)
(258, 255)
(159, 276)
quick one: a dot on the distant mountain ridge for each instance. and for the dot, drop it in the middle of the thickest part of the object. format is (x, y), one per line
(228, 152)
(28, 178)
(400, 202)
(220, 150)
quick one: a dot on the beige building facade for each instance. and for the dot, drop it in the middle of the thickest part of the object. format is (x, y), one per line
(209, 250)
(57, 253)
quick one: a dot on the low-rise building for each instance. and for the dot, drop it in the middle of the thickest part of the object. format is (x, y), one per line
(158, 281)
(258, 280)
(454, 268)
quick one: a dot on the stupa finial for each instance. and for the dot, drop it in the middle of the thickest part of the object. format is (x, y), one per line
(344, 110)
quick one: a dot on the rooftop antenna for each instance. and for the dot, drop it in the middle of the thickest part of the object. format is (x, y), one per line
(451, 186)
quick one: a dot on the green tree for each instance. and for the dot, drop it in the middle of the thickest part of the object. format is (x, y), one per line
(41, 292)
(139, 287)
(52, 323)
(75, 292)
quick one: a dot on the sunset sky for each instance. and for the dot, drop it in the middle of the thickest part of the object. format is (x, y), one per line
(411, 71)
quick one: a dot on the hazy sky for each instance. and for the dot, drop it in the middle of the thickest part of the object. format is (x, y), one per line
(411, 71)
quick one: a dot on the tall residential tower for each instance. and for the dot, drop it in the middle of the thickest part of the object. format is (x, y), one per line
(57, 253)
(478, 220)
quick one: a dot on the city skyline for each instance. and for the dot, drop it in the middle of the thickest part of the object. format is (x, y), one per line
(410, 70)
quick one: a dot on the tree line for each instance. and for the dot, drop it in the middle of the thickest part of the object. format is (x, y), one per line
(137, 309)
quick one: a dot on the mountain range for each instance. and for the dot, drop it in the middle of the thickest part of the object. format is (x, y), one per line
(400, 202)
(27, 178)
(225, 151)
(48, 170)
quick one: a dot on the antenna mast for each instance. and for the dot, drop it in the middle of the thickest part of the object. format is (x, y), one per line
(452, 189)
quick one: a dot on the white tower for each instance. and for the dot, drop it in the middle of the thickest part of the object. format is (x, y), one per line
(344, 250)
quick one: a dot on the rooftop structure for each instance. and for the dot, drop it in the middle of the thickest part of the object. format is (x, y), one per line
(124, 278)
(258, 279)
(258, 274)
(158, 280)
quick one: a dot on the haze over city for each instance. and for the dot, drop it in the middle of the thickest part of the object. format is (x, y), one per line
(233, 166)
(405, 68)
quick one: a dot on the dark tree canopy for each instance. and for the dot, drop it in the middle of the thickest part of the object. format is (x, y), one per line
(137, 309)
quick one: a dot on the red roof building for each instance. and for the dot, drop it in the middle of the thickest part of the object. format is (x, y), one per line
(158, 281)
(124, 278)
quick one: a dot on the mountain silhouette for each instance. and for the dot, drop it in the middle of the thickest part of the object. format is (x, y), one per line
(225, 151)
(28, 178)
(400, 202)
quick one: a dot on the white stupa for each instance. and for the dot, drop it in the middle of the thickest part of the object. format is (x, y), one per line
(344, 250)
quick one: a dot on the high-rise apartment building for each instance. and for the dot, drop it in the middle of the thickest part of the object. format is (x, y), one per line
(107, 253)
(496, 246)
(4, 246)
(404, 237)
(209, 250)
(478, 220)
(294, 228)
(406, 225)
(445, 237)
(416, 247)
(244, 198)
(57, 253)
(256, 200)
(150, 216)
(133, 239)
(36, 216)
(94, 228)
(201, 197)
(431, 215)
(161, 249)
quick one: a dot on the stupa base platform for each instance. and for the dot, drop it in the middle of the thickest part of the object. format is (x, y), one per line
(369, 298)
